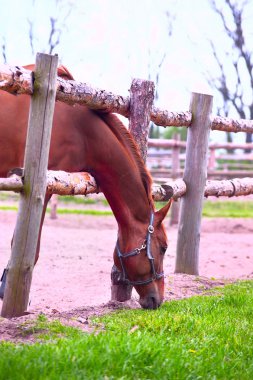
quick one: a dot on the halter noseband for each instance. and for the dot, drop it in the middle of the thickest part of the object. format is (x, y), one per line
(135, 252)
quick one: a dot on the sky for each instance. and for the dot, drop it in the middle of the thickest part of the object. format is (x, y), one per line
(107, 43)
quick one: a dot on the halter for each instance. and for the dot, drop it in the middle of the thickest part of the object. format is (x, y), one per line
(137, 251)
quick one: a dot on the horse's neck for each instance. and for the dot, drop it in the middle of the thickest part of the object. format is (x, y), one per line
(118, 170)
(128, 200)
(123, 187)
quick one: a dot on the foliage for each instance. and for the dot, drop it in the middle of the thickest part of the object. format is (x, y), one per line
(235, 164)
(170, 132)
(197, 338)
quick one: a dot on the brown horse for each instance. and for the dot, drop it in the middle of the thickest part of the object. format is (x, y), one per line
(85, 140)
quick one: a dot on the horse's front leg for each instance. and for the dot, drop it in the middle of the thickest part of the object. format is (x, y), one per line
(5, 272)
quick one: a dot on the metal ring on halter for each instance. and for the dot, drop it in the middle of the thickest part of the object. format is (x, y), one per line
(151, 229)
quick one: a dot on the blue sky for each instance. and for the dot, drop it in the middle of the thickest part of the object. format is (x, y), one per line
(107, 43)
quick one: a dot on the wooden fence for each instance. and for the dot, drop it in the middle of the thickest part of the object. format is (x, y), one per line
(139, 109)
(166, 159)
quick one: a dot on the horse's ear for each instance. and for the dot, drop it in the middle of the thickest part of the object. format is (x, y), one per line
(160, 214)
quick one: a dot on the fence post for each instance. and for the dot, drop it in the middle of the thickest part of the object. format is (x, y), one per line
(141, 101)
(53, 206)
(212, 159)
(175, 166)
(195, 174)
(21, 264)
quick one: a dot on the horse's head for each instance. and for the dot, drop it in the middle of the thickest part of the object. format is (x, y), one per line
(139, 256)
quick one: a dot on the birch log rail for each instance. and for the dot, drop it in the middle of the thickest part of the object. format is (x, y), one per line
(18, 80)
(82, 183)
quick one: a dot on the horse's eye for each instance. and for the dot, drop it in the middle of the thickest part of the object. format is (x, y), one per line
(163, 249)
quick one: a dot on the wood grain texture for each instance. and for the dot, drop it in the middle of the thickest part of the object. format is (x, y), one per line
(141, 100)
(17, 80)
(195, 174)
(25, 239)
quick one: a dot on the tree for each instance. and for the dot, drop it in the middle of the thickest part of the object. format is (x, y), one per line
(235, 61)
(57, 24)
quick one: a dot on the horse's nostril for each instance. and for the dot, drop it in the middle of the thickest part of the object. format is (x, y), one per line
(150, 303)
(154, 303)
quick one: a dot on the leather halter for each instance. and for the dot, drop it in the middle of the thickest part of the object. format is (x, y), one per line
(146, 245)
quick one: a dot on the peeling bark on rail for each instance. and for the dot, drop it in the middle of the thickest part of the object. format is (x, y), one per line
(229, 188)
(171, 189)
(13, 183)
(63, 183)
(230, 125)
(165, 118)
(18, 80)
(58, 182)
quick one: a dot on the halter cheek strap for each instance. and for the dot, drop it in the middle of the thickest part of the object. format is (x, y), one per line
(135, 252)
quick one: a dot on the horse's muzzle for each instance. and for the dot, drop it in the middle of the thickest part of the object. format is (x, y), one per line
(150, 302)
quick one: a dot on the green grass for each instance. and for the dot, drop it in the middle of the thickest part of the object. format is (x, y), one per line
(84, 212)
(228, 209)
(82, 200)
(207, 337)
(211, 209)
(67, 211)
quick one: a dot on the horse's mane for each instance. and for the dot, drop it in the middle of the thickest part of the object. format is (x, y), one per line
(126, 139)
(62, 71)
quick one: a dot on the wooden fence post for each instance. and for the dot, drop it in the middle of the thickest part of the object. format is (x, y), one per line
(53, 206)
(21, 264)
(141, 101)
(175, 166)
(212, 159)
(195, 174)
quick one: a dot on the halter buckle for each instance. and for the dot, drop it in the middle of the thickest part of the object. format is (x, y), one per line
(144, 246)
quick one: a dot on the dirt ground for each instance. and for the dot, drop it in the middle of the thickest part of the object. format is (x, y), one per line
(72, 277)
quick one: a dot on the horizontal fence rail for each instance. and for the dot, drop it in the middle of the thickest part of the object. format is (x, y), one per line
(18, 80)
(171, 143)
(63, 183)
(168, 159)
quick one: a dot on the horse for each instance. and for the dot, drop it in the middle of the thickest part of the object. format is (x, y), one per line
(98, 142)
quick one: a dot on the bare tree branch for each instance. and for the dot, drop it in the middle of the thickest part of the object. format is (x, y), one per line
(31, 36)
(57, 26)
(54, 36)
(4, 50)
(239, 56)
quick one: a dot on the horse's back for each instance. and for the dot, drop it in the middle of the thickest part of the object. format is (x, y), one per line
(76, 132)
(13, 126)
(81, 138)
